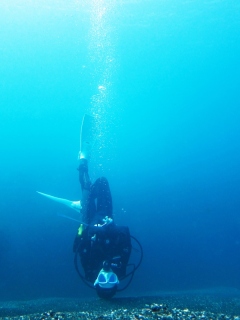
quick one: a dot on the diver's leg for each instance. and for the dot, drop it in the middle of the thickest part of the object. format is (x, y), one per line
(100, 191)
(83, 174)
(85, 182)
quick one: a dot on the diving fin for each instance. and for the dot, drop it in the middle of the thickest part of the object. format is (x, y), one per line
(76, 205)
(88, 136)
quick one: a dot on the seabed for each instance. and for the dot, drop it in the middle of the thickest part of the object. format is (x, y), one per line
(190, 305)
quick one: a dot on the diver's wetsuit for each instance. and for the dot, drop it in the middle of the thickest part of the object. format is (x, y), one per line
(105, 243)
(97, 199)
(99, 202)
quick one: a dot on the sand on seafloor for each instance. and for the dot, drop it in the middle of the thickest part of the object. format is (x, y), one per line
(166, 307)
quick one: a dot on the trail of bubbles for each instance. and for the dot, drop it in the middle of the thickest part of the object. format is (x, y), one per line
(103, 66)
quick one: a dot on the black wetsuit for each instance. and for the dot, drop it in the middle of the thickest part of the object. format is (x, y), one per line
(98, 244)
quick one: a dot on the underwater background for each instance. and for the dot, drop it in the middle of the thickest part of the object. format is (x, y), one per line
(163, 78)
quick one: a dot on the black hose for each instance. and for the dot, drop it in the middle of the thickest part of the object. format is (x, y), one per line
(131, 274)
(79, 273)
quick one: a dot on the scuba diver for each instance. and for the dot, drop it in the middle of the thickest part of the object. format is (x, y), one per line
(103, 247)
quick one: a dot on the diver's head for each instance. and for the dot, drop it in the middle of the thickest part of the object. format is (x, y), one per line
(106, 284)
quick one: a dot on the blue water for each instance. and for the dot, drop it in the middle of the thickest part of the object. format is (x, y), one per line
(163, 78)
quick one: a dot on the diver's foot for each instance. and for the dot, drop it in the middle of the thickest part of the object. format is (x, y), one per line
(83, 165)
